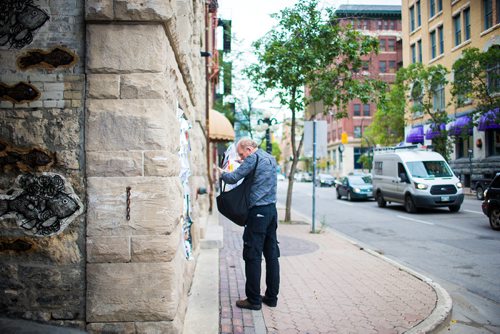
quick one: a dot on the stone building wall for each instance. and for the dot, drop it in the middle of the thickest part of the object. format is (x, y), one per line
(91, 94)
(143, 69)
(42, 80)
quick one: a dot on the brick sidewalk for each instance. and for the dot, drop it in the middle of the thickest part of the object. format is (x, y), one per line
(328, 285)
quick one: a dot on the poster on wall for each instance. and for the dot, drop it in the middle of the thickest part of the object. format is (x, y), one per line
(185, 172)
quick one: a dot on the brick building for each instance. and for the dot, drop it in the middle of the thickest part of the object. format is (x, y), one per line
(383, 22)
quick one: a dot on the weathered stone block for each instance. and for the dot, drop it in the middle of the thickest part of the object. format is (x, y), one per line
(143, 10)
(104, 86)
(99, 9)
(111, 328)
(132, 291)
(143, 86)
(155, 206)
(159, 327)
(126, 48)
(114, 163)
(108, 249)
(122, 125)
(160, 248)
(161, 163)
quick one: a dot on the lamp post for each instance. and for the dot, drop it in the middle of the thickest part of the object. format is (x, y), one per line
(266, 123)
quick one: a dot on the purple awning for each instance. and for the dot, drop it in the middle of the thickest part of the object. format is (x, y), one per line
(434, 131)
(461, 126)
(416, 135)
(490, 120)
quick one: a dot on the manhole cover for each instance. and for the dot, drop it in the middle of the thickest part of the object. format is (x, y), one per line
(290, 246)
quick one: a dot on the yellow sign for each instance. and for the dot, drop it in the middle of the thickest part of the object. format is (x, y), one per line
(343, 139)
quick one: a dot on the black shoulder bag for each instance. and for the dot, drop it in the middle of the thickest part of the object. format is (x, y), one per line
(234, 204)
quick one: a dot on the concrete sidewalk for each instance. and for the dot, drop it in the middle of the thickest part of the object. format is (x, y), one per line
(328, 285)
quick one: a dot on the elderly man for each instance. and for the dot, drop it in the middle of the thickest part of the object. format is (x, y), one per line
(260, 229)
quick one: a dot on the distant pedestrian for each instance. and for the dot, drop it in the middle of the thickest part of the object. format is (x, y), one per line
(259, 236)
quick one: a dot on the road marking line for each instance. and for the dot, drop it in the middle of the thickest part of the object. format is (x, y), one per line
(472, 211)
(415, 220)
(345, 203)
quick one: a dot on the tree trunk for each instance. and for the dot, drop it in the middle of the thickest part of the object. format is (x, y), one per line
(289, 192)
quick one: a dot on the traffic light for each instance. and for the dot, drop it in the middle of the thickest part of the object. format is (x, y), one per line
(343, 138)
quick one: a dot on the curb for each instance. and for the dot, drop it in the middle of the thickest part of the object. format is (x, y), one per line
(440, 315)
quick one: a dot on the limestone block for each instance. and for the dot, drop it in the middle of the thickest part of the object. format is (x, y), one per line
(143, 86)
(99, 9)
(108, 249)
(143, 10)
(159, 327)
(161, 163)
(103, 86)
(147, 248)
(114, 163)
(132, 291)
(122, 125)
(116, 327)
(126, 48)
(155, 206)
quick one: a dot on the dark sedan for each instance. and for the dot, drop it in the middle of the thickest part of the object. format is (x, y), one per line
(355, 187)
(491, 203)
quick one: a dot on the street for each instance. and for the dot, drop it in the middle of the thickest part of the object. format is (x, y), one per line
(457, 250)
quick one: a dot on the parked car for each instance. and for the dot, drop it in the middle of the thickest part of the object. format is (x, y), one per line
(479, 186)
(491, 203)
(355, 187)
(303, 177)
(325, 180)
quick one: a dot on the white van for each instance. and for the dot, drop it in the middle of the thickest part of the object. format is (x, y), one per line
(416, 178)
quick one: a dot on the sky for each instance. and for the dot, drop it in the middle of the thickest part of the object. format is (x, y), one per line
(250, 21)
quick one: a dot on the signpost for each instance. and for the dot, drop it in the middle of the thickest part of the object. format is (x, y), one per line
(315, 144)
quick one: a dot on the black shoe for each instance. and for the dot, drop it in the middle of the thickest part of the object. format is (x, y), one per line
(244, 303)
(269, 302)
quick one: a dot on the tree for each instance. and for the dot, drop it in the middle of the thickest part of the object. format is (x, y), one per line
(387, 127)
(276, 151)
(425, 86)
(310, 48)
(477, 78)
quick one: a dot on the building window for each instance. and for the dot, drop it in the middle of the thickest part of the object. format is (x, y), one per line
(457, 30)
(493, 142)
(488, 14)
(413, 54)
(391, 44)
(392, 24)
(392, 66)
(493, 76)
(382, 44)
(419, 17)
(462, 146)
(419, 47)
(358, 152)
(357, 132)
(467, 23)
(366, 110)
(357, 110)
(438, 103)
(365, 65)
(441, 40)
(382, 66)
(435, 7)
(433, 44)
(412, 18)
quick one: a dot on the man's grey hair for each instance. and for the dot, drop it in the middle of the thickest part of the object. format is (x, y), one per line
(247, 142)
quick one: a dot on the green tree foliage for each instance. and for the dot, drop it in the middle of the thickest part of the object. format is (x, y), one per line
(421, 83)
(476, 77)
(308, 48)
(387, 127)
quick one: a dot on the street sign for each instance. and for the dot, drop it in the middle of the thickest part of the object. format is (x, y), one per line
(321, 139)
